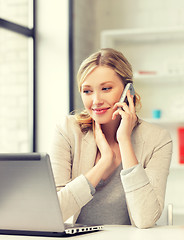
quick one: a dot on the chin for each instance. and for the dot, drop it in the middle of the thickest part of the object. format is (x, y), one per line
(104, 120)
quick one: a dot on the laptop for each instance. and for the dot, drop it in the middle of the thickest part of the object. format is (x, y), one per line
(28, 199)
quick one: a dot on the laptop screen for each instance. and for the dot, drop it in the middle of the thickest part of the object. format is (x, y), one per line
(28, 198)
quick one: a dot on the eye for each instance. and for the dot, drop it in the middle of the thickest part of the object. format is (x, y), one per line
(106, 88)
(87, 91)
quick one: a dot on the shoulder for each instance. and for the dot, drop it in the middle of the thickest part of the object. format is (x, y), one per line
(68, 124)
(150, 132)
(70, 129)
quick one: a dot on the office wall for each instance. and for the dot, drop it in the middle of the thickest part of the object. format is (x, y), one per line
(110, 14)
(52, 68)
(83, 38)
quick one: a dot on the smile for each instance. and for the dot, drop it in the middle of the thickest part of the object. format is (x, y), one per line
(100, 110)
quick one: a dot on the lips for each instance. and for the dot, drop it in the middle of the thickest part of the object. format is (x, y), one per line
(100, 110)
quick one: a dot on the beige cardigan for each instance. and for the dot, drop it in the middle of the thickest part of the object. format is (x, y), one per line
(73, 154)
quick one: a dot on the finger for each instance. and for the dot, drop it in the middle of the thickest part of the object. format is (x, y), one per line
(122, 106)
(100, 139)
(97, 127)
(98, 131)
(118, 105)
(118, 112)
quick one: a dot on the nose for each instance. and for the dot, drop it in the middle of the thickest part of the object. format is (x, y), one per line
(97, 99)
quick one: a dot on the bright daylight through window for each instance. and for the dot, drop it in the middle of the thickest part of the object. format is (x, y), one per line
(16, 75)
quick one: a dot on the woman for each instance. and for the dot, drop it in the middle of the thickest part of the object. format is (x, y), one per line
(110, 167)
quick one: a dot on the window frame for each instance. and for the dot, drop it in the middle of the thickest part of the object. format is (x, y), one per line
(71, 57)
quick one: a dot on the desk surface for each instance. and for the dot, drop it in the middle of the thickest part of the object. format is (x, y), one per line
(117, 233)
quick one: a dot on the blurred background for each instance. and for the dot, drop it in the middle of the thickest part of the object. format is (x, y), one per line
(42, 44)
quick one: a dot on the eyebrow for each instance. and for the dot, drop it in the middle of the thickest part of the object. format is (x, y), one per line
(100, 84)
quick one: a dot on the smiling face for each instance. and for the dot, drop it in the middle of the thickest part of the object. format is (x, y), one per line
(101, 89)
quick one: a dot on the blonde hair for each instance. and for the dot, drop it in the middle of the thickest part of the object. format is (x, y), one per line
(106, 57)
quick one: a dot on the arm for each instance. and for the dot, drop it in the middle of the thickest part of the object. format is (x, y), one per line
(73, 191)
(145, 186)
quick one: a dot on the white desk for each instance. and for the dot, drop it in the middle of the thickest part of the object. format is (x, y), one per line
(118, 233)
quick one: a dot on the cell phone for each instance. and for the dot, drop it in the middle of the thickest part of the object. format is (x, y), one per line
(130, 87)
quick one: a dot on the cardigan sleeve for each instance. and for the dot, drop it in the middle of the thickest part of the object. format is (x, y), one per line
(145, 185)
(73, 194)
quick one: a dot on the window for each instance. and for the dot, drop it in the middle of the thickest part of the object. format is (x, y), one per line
(17, 77)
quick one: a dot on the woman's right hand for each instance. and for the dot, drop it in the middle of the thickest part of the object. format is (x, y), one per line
(104, 165)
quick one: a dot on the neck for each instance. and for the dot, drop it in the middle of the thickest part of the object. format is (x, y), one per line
(110, 129)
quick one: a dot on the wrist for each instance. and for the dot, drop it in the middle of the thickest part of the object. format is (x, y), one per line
(124, 139)
(127, 154)
(96, 173)
(105, 162)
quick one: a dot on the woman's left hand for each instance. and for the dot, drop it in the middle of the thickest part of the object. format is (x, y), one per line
(128, 118)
